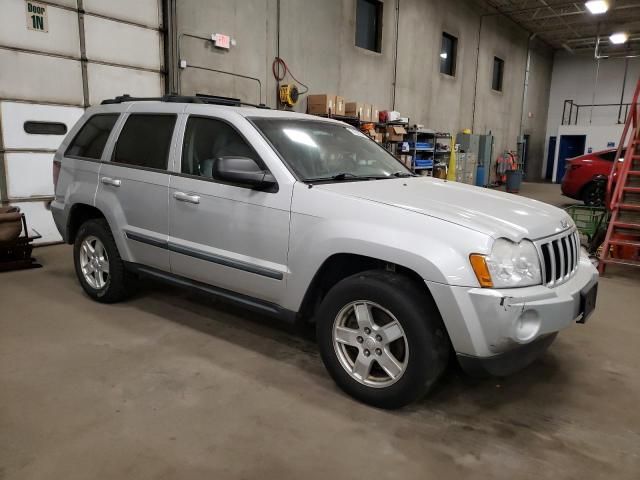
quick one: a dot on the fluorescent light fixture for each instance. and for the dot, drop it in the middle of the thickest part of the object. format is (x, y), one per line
(619, 38)
(597, 6)
(443, 55)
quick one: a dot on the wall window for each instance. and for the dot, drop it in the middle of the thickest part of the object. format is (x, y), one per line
(206, 140)
(145, 140)
(44, 128)
(369, 25)
(92, 137)
(498, 73)
(448, 54)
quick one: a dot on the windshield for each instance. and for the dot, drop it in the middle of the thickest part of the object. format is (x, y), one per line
(318, 150)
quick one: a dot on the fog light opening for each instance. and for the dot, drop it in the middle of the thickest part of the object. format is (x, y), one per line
(526, 327)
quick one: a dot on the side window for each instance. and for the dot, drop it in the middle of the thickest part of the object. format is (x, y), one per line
(145, 141)
(498, 74)
(448, 54)
(610, 156)
(369, 25)
(205, 140)
(92, 137)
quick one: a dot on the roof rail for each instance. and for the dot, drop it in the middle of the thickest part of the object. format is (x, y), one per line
(174, 98)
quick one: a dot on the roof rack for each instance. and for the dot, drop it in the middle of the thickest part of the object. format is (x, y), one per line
(174, 98)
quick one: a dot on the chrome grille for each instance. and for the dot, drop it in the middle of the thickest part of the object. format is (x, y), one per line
(559, 256)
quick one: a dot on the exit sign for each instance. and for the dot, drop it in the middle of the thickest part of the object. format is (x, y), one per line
(221, 41)
(37, 16)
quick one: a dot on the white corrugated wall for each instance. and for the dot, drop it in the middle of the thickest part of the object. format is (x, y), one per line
(92, 50)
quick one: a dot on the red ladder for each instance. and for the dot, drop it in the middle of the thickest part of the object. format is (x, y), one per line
(623, 197)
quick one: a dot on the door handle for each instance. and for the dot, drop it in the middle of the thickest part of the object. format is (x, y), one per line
(185, 197)
(111, 181)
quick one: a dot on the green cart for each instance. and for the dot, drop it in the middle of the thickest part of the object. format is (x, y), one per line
(591, 222)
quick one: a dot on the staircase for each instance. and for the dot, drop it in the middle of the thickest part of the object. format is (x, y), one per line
(622, 242)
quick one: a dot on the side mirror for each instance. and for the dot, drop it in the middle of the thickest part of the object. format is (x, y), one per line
(243, 170)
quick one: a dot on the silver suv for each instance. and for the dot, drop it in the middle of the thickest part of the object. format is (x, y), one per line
(308, 219)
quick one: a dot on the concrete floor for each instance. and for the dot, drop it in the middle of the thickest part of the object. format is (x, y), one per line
(168, 385)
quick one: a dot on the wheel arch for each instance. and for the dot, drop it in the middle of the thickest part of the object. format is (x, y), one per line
(79, 214)
(342, 265)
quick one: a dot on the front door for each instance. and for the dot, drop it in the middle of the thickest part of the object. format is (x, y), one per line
(133, 188)
(226, 235)
(551, 153)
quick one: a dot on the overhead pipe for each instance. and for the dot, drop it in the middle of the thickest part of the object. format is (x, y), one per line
(475, 85)
(395, 57)
(624, 85)
(525, 87)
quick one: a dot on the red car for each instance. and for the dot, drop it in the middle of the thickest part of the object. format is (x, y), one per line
(585, 176)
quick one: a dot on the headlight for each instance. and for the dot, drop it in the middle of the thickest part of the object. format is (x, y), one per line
(509, 265)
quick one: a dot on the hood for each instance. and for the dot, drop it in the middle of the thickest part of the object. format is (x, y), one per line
(487, 211)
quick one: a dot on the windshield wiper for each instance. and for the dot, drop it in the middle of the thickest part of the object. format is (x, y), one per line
(403, 174)
(344, 175)
(337, 177)
(348, 176)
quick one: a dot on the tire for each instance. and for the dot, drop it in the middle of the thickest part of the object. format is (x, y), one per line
(417, 358)
(593, 194)
(106, 287)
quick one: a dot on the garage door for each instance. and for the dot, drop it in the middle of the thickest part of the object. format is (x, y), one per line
(57, 58)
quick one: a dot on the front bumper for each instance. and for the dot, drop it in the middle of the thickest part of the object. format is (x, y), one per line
(484, 323)
(505, 363)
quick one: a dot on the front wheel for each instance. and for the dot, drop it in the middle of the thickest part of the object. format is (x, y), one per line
(381, 338)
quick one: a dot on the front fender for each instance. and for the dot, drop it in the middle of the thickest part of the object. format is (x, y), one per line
(438, 251)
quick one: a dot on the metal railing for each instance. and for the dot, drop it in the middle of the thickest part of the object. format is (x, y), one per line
(571, 111)
(629, 135)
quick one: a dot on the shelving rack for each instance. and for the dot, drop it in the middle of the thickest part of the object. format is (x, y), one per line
(443, 155)
(393, 145)
(422, 147)
(354, 121)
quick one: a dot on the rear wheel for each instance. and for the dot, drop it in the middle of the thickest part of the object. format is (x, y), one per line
(381, 338)
(98, 265)
(593, 194)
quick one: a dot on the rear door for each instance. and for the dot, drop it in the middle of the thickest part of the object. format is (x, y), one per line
(134, 185)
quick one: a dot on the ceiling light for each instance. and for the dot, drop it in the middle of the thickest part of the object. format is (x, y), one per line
(619, 38)
(597, 6)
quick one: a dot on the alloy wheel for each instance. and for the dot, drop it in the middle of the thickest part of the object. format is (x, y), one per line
(370, 343)
(94, 262)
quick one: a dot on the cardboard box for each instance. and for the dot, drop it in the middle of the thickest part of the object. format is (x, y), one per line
(339, 105)
(392, 116)
(354, 109)
(321, 104)
(395, 133)
(366, 115)
(375, 114)
(406, 160)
